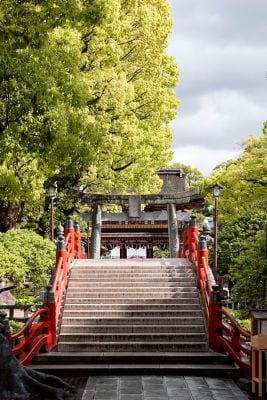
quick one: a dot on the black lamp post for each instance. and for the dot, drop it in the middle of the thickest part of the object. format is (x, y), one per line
(52, 192)
(216, 194)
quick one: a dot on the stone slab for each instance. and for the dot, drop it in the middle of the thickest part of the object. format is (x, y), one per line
(165, 387)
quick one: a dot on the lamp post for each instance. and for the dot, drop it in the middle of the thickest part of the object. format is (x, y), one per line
(52, 192)
(216, 194)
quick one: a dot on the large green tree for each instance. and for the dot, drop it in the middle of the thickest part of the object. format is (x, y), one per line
(243, 218)
(86, 97)
(244, 180)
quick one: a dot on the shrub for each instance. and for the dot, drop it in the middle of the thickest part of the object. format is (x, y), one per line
(25, 259)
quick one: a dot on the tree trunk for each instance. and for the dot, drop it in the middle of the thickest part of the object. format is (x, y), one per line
(9, 216)
(21, 383)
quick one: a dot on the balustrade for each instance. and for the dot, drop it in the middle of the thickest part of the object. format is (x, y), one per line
(225, 335)
(40, 331)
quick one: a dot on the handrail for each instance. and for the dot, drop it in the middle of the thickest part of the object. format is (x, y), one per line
(225, 334)
(34, 334)
(40, 331)
(242, 332)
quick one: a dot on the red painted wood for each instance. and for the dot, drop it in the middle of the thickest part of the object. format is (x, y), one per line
(40, 331)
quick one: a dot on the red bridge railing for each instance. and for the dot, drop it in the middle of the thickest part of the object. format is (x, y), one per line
(225, 334)
(40, 332)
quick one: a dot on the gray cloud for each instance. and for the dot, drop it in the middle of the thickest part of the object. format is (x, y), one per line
(222, 58)
(242, 21)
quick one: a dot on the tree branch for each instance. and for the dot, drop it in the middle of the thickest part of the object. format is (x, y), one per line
(255, 181)
(85, 40)
(123, 167)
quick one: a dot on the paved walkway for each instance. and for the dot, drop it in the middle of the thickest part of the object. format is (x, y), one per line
(166, 387)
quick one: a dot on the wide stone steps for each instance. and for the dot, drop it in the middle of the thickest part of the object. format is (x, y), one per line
(69, 306)
(125, 305)
(131, 300)
(133, 337)
(118, 346)
(129, 295)
(133, 316)
(133, 321)
(103, 328)
(84, 284)
(178, 363)
(132, 289)
(133, 263)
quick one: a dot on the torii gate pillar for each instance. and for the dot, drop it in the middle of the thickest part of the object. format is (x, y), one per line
(173, 231)
(96, 232)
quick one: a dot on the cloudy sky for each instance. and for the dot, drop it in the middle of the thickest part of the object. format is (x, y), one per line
(220, 47)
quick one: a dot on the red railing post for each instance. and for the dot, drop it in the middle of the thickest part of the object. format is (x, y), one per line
(70, 235)
(62, 254)
(77, 244)
(185, 240)
(201, 252)
(49, 302)
(236, 340)
(215, 318)
(192, 235)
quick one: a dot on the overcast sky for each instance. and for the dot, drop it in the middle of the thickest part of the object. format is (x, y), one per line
(220, 47)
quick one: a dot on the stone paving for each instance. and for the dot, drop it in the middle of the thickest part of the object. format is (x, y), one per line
(166, 387)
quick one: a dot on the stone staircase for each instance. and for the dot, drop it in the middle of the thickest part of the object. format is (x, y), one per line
(134, 306)
(133, 315)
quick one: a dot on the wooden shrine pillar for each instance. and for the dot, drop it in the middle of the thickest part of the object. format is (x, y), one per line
(96, 232)
(173, 231)
(123, 251)
(149, 251)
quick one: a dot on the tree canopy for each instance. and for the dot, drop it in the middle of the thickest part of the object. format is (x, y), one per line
(244, 180)
(87, 94)
(243, 219)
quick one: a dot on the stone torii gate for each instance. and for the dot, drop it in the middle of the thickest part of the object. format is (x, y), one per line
(170, 201)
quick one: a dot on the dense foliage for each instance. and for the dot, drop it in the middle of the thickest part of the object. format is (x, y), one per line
(87, 93)
(242, 220)
(244, 180)
(26, 258)
(249, 272)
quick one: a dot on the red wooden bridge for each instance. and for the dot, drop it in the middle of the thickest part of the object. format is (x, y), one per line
(223, 334)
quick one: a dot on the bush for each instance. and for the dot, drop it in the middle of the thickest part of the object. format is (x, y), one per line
(241, 318)
(25, 259)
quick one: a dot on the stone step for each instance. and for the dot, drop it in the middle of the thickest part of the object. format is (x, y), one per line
(128, 289)
(132, 320)
(141, 295)
(131, 278)
(136, 267)
(178, 363)
(133, 271)
(83, 284)
(131, 328)
(131, 300)
(134, 313)
(133, 337)
(128, 307)
(132, 346)
(79, 370)
(160, 262)
(58, 357)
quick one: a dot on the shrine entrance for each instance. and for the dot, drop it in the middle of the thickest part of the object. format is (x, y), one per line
(157, 225)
